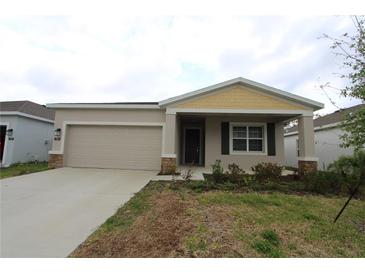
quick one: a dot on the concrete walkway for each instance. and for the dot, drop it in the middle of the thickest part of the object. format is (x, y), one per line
(48, 214)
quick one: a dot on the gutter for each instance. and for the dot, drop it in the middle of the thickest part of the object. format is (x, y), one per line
(102, 106)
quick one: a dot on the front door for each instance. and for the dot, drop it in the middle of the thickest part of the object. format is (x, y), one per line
(192, 146)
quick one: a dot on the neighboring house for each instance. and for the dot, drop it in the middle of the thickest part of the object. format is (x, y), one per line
(327, 134)
(237, 121)
(26, 132)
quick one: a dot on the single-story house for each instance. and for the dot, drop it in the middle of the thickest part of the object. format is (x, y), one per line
(327, 132)
(26, 132)
(237, 121)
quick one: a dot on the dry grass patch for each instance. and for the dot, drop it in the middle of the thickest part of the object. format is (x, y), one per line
(167, 220)
(155, 231)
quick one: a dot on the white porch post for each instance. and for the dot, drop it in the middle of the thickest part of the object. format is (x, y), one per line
(307, 161)
(168, 159)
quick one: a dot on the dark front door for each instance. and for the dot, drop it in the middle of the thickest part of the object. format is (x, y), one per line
(192, 146)
(2, 141)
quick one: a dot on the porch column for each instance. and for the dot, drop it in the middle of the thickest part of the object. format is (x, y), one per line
(168, 159)
(307, 161)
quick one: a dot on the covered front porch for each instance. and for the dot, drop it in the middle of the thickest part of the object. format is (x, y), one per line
(196, 139)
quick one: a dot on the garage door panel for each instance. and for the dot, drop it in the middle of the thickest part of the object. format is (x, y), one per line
(126, 147)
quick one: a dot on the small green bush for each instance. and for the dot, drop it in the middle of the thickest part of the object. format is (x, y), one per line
(201, 186)
(265, 172)
(269, 246)
(329, 182)
(271, 237)
(267, 249)
(324, 182)
(235, 175)
(341, 178)
(228, 186)
(344, 166)
(263, 246)
(229, 180)
(217, 172)
(349, 166)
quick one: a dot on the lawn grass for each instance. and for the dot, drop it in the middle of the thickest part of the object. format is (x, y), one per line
(22, 168)
(165, 220)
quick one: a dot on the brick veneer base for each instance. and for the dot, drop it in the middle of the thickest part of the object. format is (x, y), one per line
(55, 160)
(168, 166)
(306, 167)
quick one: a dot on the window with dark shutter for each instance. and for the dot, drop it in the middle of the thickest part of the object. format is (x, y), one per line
(247, 138)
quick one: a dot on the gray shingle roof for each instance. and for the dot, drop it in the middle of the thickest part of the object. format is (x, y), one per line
(28, 107)
(331, 118)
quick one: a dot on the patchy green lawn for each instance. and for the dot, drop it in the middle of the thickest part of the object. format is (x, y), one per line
(21, 169)
(169, 220)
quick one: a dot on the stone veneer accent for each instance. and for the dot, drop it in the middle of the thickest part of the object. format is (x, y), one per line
(55, 160)
(168, 165)
(306, 167)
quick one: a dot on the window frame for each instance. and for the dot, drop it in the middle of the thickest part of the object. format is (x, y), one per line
(247, 125)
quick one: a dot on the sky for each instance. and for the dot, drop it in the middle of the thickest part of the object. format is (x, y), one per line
(59, 59)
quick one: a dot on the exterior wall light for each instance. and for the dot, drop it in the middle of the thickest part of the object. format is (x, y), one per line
(57, 134)
(9, 132)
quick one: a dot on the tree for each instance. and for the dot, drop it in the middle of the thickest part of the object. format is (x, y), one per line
(352, 49)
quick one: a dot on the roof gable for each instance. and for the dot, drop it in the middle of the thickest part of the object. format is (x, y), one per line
(251, 85)
(239, 97)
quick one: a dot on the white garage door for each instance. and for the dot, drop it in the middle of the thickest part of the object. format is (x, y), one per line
(124, 147)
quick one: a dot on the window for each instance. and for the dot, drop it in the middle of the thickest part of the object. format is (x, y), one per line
(247, 138)
(239, 138)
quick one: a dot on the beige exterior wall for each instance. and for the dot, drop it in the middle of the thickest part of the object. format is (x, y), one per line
(239, 97)
(106, 115)
(170, 136)
(213, 143)
(306, 137)
(177, 140)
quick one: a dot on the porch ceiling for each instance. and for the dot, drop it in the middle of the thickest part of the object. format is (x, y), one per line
(275, 117)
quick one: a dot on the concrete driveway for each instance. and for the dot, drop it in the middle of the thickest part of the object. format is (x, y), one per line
(48, 214)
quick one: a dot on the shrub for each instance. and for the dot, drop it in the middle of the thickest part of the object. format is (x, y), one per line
(235, 174)
(350, 166)
(271, 237)
(263, 247)
(217, 172)
(265, 172)
(201, 186)
(323, 182)
(329, 182)
(269, 245)
(267, 249)
(342, 176)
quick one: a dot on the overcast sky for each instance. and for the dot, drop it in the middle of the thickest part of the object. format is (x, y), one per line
(103, 59)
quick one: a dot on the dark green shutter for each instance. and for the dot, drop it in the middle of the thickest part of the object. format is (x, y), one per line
(271, 151)
(225, 138)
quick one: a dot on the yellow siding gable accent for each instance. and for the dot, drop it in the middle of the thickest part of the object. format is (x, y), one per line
(238, 97)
